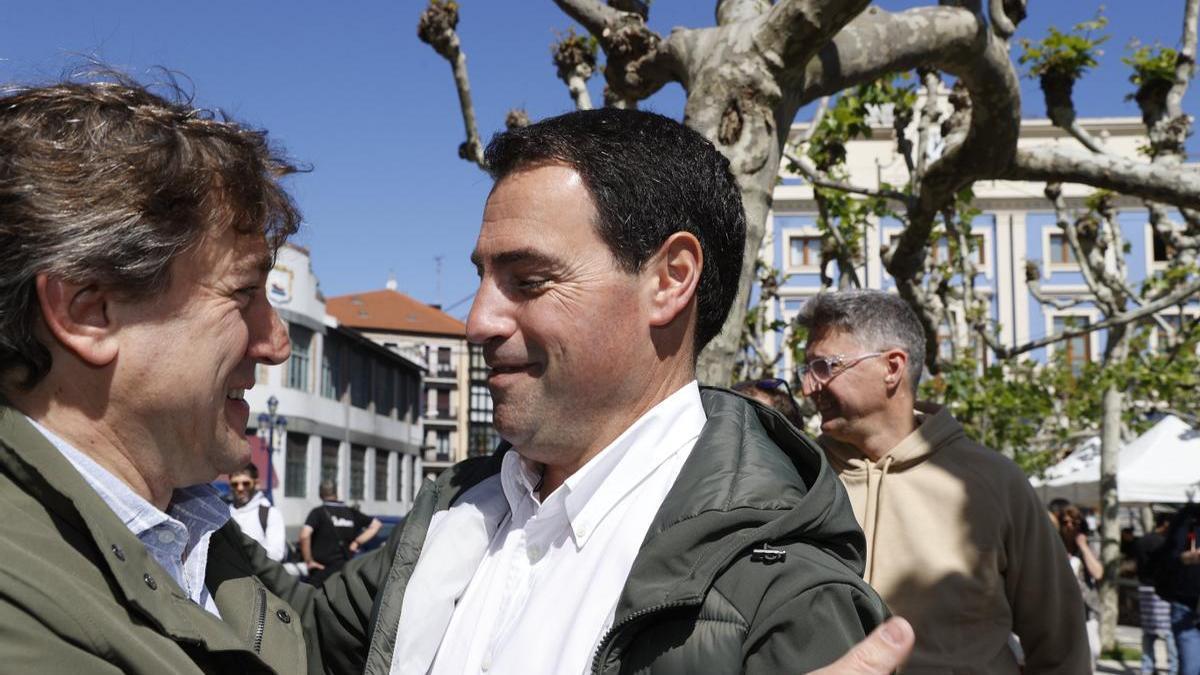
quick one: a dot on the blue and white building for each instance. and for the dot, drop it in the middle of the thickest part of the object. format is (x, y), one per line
(1017, 225)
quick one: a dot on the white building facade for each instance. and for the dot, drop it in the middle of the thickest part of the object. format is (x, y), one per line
(351, 407)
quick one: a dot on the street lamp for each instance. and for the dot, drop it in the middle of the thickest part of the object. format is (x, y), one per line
(271, 421)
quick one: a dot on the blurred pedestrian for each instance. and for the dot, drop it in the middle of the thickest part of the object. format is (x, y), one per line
(774, 393)
(1155, 611)
(1073, 529)
(257, 517)
(957, 541)
(1176, 570)
(332, 533)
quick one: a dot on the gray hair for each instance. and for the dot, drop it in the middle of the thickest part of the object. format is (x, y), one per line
(877, 319)
(107, 183)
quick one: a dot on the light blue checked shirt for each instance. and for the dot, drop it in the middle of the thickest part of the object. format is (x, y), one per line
(177, 539)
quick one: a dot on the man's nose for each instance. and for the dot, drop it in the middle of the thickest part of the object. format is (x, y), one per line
(809, 385)
(270, 344)
(490, 317)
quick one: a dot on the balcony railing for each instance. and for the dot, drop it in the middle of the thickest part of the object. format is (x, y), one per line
(444, 370)
(441, 414)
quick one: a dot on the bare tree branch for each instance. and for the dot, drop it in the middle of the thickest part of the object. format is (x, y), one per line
(796, 29)
(639, 62)
(437, 29)
(819, 179)
(736, 11)
(1122, 319)
(575, 61)
(1175, 185)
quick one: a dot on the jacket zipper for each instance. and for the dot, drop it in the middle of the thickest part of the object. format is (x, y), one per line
(261, 626)
(606, 642)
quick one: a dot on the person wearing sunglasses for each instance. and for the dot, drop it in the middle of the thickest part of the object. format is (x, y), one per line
(775, 393)
(258, 518)
(957, 541)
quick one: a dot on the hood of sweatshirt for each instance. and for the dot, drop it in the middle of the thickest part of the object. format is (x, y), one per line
(936, 429)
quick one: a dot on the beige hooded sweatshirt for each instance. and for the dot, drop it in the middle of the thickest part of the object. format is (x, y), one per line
(958, 544)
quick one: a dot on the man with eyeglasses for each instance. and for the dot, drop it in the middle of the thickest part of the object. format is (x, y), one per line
(957, 541)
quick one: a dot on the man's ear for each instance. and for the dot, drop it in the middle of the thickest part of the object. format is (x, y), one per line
(896, 361)
(78, 316)
(674, 276)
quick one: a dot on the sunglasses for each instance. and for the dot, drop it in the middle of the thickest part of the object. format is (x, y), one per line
(241, 483)
(825, 368)
(768, 384)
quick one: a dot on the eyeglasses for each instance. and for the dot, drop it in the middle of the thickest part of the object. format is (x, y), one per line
(825, 368)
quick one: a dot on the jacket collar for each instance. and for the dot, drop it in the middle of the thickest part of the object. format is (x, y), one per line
(49, 477)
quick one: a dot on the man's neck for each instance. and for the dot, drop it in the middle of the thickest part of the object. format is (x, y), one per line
(886, 433)
(554, 475)
(104, 446)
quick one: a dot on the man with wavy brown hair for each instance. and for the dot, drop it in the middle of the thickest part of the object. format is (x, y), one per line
(136, 233)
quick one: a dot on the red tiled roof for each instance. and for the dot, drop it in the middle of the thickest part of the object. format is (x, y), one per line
(388, 310)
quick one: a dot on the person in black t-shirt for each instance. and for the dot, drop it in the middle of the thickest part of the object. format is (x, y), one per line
(332, 534)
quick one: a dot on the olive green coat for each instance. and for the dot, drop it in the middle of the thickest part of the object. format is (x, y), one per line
(80, 594)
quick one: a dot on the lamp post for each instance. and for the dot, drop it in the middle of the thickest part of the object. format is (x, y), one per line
(271, 421)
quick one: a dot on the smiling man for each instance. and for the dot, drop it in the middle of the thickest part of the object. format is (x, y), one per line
(957, 542)
(633, 521)
(135, 237)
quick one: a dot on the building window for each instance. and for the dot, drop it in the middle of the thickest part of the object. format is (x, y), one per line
(360, 379)
(1077, 350)
(939, 252)
(295, 472)
(331, 368)
(329, 460)
(1061, 252)
(804, 251)
(443, 446)
(443, 404)
(358, 461)
(300, 363)
(381, 474)
(385, 389)
(444, 367)
(1163, 252)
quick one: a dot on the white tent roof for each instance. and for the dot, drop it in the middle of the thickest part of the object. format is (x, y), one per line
(1161, 465)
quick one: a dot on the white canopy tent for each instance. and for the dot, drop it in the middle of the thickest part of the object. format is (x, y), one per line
(1162, 465)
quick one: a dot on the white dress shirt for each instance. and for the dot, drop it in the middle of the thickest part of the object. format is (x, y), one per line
(506, 584)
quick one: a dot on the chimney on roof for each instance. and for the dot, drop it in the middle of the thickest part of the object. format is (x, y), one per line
(391, 282)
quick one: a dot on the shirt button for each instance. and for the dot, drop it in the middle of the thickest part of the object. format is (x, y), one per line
(118, 552)
(581, 531)
(150, 582)
(166, 536)
(487, 663)
(284, 616)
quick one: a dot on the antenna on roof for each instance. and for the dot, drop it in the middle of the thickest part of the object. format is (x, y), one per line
(438, 260)
(391, 282)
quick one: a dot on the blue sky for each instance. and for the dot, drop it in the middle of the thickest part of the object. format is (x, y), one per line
(348, 89)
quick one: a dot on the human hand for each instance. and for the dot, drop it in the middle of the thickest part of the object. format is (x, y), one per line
(880, 653)
(314, 565)
(1190, 557)
(354, 546)
(1081, 540)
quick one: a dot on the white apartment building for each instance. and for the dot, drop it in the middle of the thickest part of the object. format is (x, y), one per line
(351, 407)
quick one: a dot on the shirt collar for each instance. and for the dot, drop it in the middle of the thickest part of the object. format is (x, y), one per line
(598, 486)
(198, 508)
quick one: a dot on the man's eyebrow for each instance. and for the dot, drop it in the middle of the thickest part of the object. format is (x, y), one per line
(520, 255)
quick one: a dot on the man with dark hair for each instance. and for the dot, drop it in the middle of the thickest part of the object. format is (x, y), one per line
(332, 533)
(257, 517)
(631, 521)
(957, 541)
(135, 238)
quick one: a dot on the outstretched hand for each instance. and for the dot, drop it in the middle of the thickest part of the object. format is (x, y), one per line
(882, 652)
